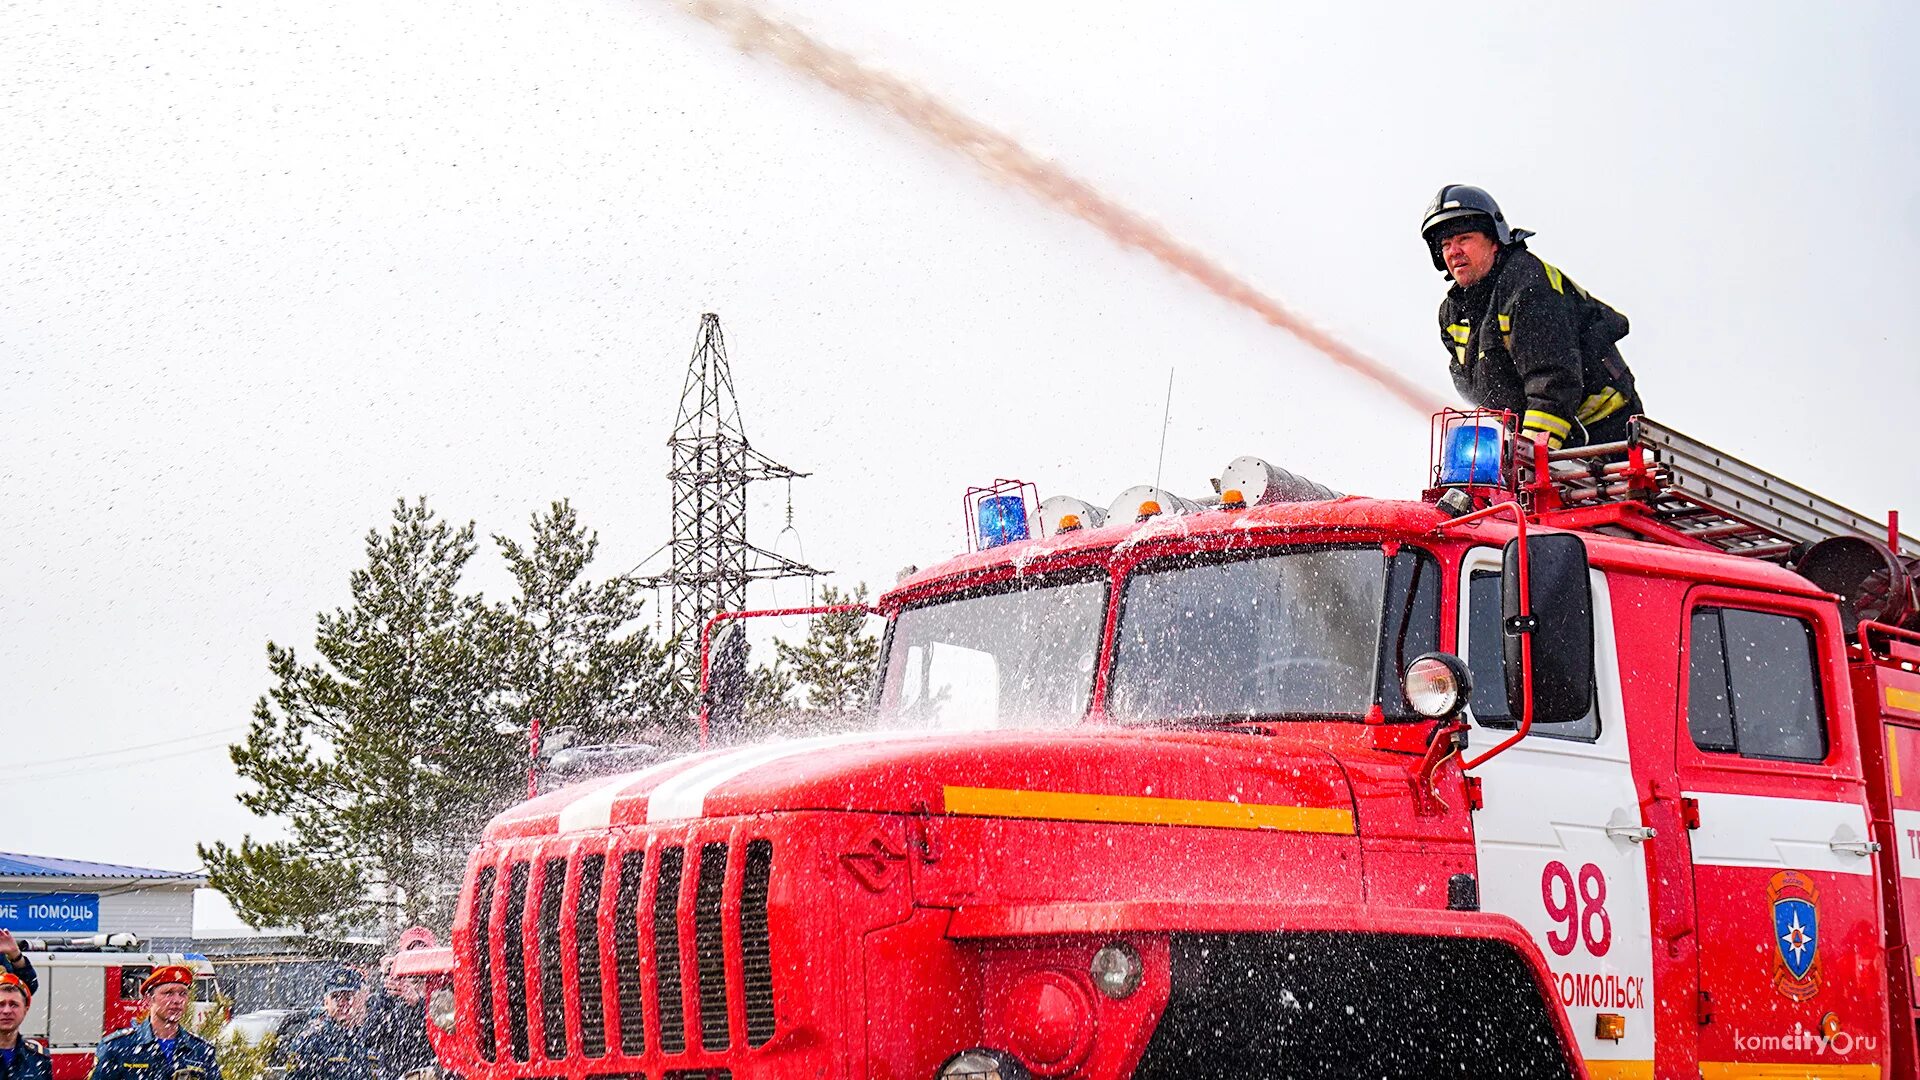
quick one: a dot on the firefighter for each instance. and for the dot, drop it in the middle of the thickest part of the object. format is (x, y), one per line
(15, 962)
(19, 1058)
(158, 1047)
(396, 1028)
(332, 1047)
(1522, 336)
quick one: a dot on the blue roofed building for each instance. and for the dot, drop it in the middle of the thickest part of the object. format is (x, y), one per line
(57, 903)
(42, 897)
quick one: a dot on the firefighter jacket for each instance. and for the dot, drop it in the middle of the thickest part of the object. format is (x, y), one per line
(396, 1032)
(27, 1062)
(328, 1050)
(134, 1054)
(1527, 339)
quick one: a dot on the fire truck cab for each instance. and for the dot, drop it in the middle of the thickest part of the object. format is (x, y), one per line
(1595, 762)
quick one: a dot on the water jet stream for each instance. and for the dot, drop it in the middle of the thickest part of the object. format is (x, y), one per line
(754, 32)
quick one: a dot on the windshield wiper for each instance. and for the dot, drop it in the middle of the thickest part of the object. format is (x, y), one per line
(1227, 720)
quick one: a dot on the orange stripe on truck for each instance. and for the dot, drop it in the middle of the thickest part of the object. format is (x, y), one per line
(1145, 810)
(1780, 1070)
(1619, 1070)
(1893, 760)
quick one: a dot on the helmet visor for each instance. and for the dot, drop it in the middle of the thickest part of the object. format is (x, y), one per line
(1453, 222)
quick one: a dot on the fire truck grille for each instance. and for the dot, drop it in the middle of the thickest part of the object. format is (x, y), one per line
(756, 960)
(626, 952)
(709, 950)
(666, 952)
(483, 957)
(586, 957)
(553, 1010)
(511, 931)
(676, 945)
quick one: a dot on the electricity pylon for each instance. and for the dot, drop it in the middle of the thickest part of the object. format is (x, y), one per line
(712, 464)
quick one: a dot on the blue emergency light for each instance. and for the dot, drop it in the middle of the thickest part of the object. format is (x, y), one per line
(1003, 519)
(1473, 454)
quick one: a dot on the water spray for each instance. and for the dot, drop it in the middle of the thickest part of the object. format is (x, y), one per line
(1004, 159)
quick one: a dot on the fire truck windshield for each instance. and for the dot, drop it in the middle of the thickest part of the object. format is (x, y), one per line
(1293, 633)
(1011, 657)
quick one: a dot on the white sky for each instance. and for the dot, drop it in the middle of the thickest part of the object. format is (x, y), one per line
(270, 266)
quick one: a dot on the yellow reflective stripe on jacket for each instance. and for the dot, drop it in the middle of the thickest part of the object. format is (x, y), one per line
(1601, 405)
(1547, 422)
(1461, 331)
(1554, 277)
(1506, 324)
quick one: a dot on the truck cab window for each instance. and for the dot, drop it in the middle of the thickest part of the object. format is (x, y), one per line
(1486, 662)
(1753, 687)
(1409, 625)
(1020, 655)
(1289, 633)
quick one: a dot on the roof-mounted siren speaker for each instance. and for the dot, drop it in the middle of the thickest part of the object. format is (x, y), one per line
(1064, 513)
(1259, 482)
(1143, 501)
(1873, 583)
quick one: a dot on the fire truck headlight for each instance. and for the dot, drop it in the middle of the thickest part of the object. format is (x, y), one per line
(1437, 684)
(983, 1064)
(1116, 970)
(440, 1008)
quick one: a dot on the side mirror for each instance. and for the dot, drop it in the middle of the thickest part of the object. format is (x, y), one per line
(1562, 626)
(554, 741)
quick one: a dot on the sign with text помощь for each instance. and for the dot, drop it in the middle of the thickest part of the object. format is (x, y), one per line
(50, 913)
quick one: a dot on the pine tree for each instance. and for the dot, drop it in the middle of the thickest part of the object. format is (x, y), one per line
(384, 757)
(837, 661)
(574, 654)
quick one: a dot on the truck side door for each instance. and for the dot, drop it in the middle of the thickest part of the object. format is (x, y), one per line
(1560, 839)
(122, 1002)
(1787, 901)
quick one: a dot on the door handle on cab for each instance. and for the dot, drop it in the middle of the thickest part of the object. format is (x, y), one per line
(1845, 843)
(1621, 826)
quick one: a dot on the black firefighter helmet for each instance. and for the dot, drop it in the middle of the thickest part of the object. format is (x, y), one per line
(1462, 208)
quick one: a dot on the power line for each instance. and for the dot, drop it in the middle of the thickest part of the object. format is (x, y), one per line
(92, 754)
(110, 767)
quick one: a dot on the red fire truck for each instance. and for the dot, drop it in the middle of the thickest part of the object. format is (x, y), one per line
(91, 986)
(1601, 762)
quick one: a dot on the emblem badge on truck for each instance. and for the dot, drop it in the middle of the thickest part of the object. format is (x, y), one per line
(1795, 905)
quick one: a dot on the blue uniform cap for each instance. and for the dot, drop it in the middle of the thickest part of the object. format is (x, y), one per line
(343, 980)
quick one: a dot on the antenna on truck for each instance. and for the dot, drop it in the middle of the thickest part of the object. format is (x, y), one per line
(1166, 421)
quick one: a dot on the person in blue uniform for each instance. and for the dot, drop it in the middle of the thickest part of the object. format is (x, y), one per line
(157, 1047)
(19, 1058)
(332, 1047)
(396, 1027)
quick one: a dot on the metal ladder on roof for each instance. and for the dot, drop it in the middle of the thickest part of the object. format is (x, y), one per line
(1704, 495)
